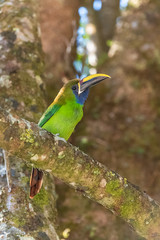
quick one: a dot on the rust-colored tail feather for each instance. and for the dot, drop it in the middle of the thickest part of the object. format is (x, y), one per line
(35, 182)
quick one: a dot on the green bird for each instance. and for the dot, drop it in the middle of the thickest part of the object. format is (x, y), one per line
(62, 116)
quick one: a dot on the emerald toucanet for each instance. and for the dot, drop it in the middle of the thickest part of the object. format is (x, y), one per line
(63, 114)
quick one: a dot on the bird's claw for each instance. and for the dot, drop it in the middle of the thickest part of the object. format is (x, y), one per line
(57, 138)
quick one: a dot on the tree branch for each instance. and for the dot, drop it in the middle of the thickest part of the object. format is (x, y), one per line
(40, 148)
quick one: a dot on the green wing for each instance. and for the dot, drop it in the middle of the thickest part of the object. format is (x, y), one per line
(51, 110)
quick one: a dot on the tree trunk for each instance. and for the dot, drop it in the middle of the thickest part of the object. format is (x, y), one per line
(22, 92)
(105, 20)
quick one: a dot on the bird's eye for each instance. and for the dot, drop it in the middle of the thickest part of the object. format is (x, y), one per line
(74, 88)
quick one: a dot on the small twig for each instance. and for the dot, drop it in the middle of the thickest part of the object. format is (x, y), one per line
(73, 39)
(69, 47)
(8, 177)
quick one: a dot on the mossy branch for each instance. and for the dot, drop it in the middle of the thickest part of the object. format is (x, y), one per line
(66, 162)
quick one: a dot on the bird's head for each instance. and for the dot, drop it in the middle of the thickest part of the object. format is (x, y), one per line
(79, 88)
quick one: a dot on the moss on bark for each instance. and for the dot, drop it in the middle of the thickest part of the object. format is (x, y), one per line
(84, 174)
(22, 93)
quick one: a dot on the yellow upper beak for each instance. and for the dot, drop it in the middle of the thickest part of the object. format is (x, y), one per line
(91, 81)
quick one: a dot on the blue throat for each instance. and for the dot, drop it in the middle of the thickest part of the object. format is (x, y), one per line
(82, 97)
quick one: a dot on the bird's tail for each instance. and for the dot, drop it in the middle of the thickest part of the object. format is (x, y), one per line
(36, 180)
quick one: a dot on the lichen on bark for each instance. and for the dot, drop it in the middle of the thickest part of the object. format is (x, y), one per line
(84, 174)
(22, 93)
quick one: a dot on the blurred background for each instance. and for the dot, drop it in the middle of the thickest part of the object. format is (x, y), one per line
(121, 124)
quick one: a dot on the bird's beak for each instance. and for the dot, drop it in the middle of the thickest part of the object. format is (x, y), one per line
(90, 81)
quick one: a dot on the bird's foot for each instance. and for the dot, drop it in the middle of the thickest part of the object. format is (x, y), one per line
(57, 138)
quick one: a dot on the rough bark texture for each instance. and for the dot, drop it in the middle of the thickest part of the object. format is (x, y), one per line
(58, 24)
(21, 92)
(22, 138)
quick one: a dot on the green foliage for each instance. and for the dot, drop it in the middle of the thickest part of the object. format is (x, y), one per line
(109, 43)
